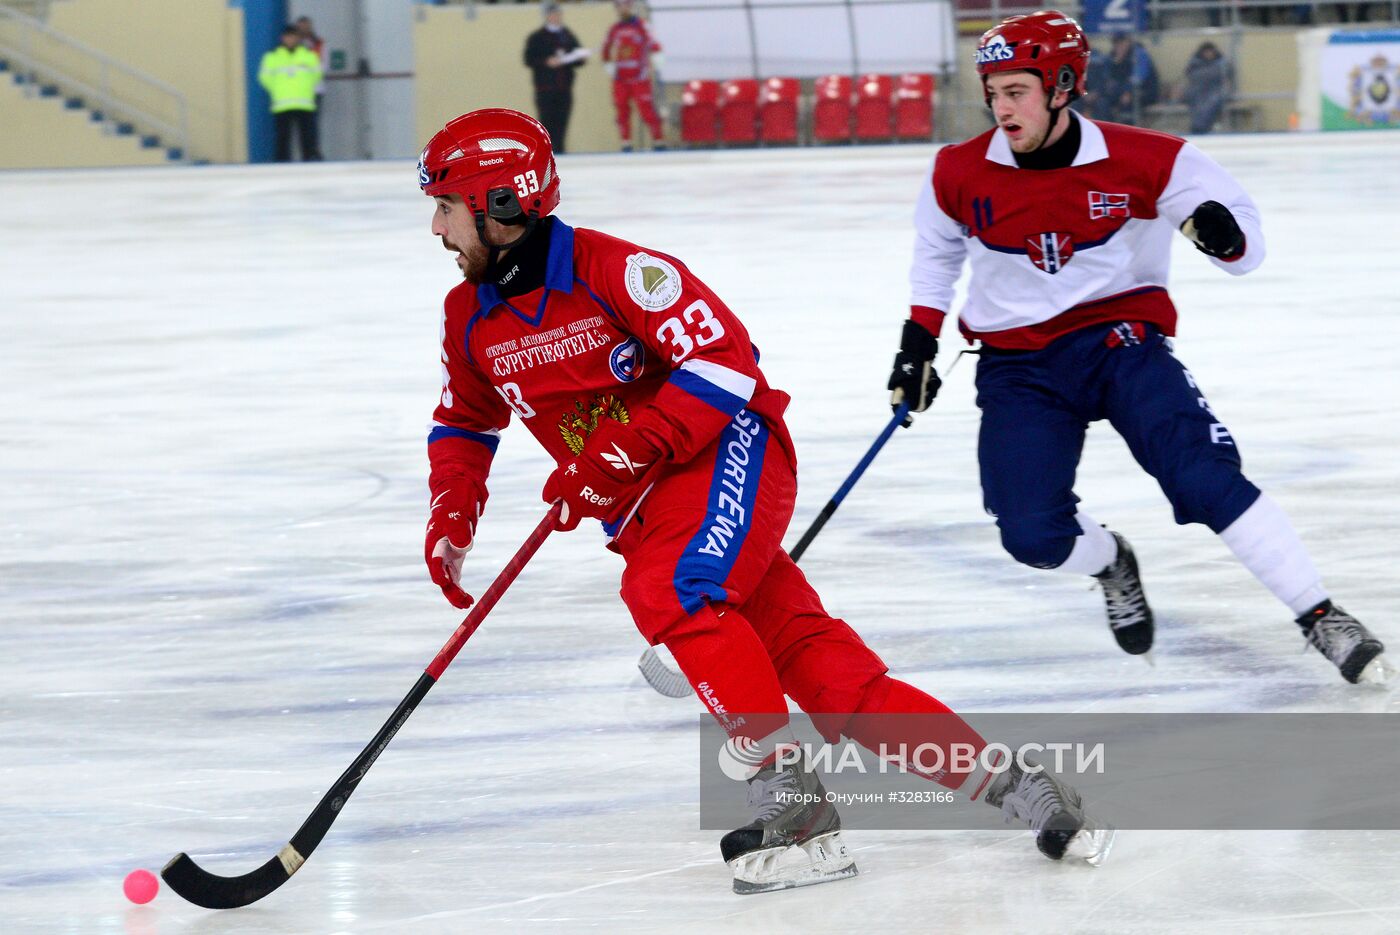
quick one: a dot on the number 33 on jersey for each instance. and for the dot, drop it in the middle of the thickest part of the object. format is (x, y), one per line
(616, 332)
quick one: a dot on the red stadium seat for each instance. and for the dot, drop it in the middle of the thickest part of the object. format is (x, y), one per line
(777, 112)
(913, 107)
(873, 110)
(738, 111)
(831, 114)
(700, 112)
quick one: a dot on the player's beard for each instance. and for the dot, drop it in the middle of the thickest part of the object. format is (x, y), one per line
(471, 262)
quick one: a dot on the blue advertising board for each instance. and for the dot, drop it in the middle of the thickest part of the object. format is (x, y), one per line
(1109, 16)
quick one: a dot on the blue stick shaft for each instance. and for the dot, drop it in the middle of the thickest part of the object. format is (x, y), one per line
(895, 422)
(900, 415)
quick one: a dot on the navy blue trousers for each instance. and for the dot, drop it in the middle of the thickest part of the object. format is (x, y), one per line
(1037, 405)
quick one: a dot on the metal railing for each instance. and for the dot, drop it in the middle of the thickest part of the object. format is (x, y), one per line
(48, 57)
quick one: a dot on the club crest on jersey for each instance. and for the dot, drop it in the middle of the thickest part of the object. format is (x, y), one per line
(627, 360)
(582, 421)
(652, 283)
(1104, 205)
(1050, 251)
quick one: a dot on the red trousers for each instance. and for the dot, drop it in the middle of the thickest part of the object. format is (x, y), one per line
(707, 576)
(624, 91)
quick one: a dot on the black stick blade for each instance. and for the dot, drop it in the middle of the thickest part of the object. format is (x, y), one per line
(197, 885)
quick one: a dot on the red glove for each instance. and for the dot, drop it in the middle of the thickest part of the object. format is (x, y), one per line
(457, 505)
(602, 479)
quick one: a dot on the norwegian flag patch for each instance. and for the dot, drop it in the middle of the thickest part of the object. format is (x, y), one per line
(1050, 251)
(1104, 205)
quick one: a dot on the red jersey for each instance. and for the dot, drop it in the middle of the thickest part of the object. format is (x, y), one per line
(630, 45)
(1053, 251)
(615, 332)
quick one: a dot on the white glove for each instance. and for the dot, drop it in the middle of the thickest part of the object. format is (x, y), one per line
(611, 68)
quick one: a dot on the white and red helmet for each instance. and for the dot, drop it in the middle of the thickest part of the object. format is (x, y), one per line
(1049, 43)
(500, 161)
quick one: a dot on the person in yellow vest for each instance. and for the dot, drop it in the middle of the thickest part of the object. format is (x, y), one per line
(309, 38)
(290, 72)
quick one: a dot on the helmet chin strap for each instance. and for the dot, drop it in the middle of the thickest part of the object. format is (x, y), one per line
(1054, 119)
(495, 250)
(1064, 81)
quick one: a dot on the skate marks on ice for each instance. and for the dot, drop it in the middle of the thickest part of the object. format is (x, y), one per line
(204, 573)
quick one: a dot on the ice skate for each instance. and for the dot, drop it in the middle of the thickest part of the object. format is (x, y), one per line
(1342, 638)
(1129, 616)
(1054, 811)
(794, 838)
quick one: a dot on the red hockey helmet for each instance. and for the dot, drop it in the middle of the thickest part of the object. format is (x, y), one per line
(1049, 43)
(500, 161)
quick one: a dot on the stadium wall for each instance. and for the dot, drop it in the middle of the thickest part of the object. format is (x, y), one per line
(195, 45)
(461, 64)
(41, 133)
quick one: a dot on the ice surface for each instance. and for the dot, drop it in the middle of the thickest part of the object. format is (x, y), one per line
(215, 385)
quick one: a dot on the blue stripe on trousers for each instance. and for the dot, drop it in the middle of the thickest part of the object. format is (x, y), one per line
(710, 555)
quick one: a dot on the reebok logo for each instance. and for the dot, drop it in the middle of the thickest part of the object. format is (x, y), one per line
(595, 498)
(622, 460)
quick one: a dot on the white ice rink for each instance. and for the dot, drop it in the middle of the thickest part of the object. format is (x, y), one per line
(215, 387)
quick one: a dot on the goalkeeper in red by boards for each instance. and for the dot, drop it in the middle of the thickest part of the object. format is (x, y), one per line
(645, 389)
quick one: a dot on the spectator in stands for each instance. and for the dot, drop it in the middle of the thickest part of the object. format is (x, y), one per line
(553, 54)
(290, 72)
(1210, 82)
(1127, 83)
(307, 30)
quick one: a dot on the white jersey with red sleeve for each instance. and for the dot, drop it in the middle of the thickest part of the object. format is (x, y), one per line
(630, 45)
(1056, 250)
(618, 332)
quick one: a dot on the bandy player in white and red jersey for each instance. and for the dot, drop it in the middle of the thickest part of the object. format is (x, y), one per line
(645, 389)
(1067, 223)
(628, 51)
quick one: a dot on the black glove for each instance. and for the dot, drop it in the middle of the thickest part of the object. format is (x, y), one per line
(913, 379)
(1214, 231)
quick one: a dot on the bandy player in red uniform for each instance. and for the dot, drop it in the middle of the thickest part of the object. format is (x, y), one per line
(645, 389)
(1067, 223)
(628, 51)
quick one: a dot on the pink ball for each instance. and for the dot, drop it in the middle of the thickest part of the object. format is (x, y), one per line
(140, 886)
